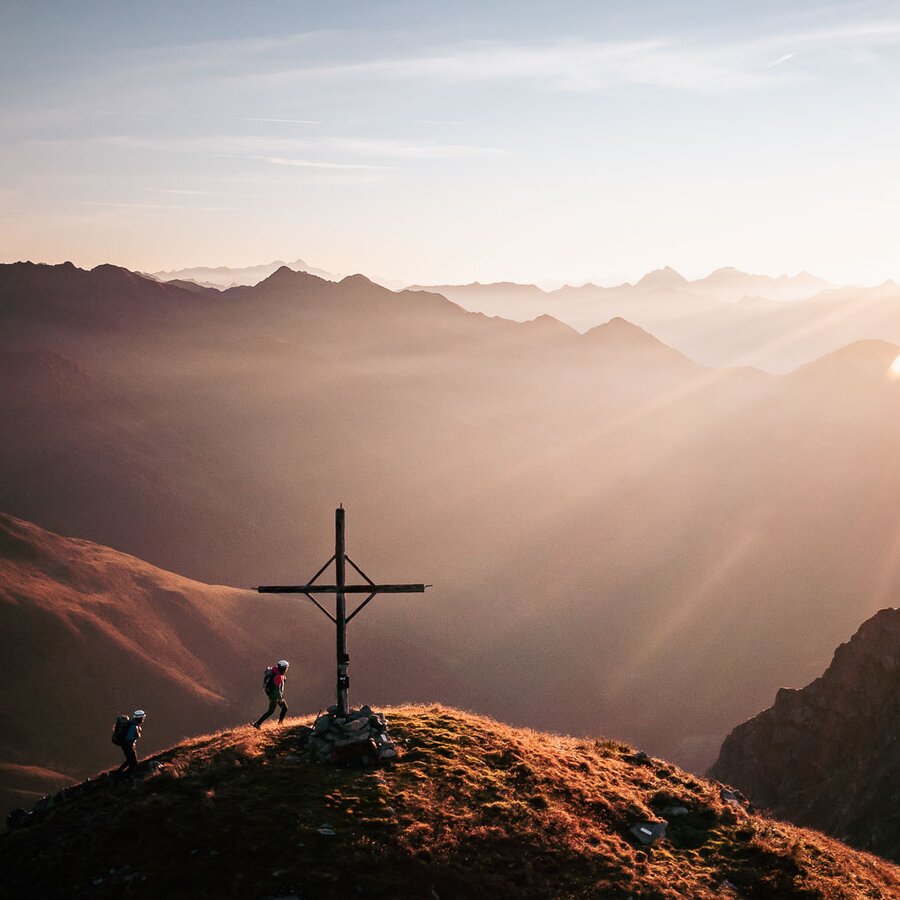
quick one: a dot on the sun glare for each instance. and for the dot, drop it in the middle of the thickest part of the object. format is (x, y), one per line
(894, 370)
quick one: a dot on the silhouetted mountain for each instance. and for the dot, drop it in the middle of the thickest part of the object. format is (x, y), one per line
(663, 293)
(619, 339)
(519, 302)
(589, 507)
(225, 276)
(782, 337)
(828, 756)
(728, 318)
(589, 305)
(666, 278)
(195, 287)
(472, 808)
(730, 284)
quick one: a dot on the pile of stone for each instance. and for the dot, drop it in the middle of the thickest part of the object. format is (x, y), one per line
(360, 738)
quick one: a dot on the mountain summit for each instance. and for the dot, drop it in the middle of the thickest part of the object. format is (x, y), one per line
(666, 277)
(473, 808)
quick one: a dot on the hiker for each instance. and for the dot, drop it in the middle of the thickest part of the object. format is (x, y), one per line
(273, 684)
(130, 735)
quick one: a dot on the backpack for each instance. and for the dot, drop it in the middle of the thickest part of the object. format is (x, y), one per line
(268, 679)
(120, 729)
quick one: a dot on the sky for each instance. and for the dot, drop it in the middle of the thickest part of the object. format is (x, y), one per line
(445, 143)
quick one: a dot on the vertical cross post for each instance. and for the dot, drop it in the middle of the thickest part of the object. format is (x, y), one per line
(340, 589)
(343, 659)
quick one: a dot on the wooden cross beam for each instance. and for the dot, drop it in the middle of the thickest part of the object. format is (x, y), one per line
(340, 589)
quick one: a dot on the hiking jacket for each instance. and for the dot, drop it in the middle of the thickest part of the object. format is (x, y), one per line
(277, 683)
(133, 732)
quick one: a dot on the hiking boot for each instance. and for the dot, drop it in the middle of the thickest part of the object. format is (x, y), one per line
(256, 725)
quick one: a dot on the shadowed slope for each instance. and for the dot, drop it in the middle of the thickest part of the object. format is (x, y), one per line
(828, 755)
(474, 808)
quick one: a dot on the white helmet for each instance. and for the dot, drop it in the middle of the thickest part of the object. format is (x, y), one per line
(139, 714)
(283, 663)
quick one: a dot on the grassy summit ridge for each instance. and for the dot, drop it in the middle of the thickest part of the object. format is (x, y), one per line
(474, 808)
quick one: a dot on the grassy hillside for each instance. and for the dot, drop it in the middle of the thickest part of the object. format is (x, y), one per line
(473, 808)
(94, 632)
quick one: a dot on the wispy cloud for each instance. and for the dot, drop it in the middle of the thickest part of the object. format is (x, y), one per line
(315, 164)
(181, 192)
(156, 207)
(589, 66)
(782, 59)
(299, 152)
(399, 149)
(272, 119)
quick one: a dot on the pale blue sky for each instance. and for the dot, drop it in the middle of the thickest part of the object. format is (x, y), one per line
(452, 142)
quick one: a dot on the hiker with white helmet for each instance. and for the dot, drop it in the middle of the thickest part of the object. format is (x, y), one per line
(128, 733)
(273, 685)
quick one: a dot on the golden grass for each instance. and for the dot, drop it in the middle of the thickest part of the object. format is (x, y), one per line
(474, 808)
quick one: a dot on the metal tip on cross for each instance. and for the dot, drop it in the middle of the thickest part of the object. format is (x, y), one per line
(340, 589)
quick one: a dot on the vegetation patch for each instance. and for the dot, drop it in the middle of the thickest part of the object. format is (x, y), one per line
(473, 808)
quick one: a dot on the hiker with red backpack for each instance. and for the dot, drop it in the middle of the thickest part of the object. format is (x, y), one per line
(126, 733)
(273, 684)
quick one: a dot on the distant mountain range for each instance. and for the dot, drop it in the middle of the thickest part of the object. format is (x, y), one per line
(224, 276)
(727, 318)
(220, 277)
(727, 285)
(620, 539)
(828, 755)
(526, 301)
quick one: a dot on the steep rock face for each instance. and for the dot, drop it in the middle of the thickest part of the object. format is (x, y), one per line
(828, 755)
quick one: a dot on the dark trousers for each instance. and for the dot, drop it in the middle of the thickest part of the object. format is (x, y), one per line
(273, 702)
(131, 762)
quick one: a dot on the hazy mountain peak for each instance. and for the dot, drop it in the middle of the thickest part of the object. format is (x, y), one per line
(120, 275)
(619, 329)
(285, 275)
(109, 267)
(620, 339)
(226, 276)
(357, 280)
(548, 325)
(866, 360)
(663, 278)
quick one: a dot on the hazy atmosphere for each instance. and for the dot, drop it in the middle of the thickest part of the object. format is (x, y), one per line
(566, 337)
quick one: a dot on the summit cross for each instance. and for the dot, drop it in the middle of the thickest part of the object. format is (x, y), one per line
(340, 589)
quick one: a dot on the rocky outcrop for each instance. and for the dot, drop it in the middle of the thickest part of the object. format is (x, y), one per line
(361, 737)
(828, 756)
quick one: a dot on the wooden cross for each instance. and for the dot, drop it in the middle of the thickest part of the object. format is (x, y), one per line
(340, 589)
